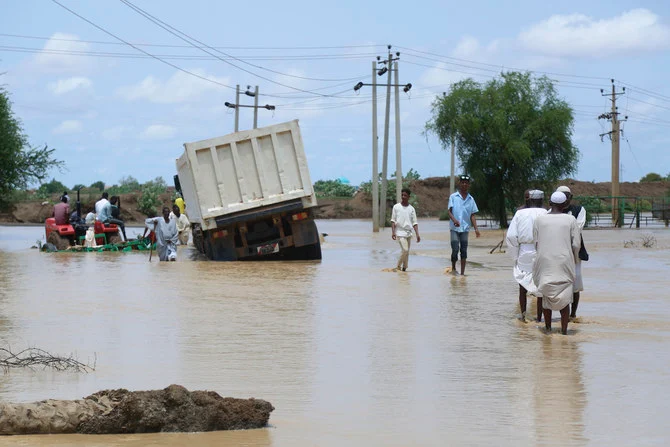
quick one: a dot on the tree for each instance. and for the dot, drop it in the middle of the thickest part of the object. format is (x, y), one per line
(512, 133)
(333, 188)
(54, 186)
(651, 177)
(21, 164)
(149, 201)
(98, 185)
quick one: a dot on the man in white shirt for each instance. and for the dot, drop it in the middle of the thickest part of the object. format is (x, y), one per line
(100, 204)
(403, 224)
(183, 225)
(521, 246)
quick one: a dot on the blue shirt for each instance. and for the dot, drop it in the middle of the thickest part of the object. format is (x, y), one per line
(462, 209)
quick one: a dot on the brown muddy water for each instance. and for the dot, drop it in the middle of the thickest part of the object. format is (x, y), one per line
(347, 353)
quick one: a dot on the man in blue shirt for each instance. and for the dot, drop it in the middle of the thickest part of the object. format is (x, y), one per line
(462, 210)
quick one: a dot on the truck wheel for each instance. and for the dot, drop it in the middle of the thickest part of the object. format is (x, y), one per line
(58, 241)
(114, 239)
(307, 252)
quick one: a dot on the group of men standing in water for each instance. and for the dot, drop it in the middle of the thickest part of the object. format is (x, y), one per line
(548, 249)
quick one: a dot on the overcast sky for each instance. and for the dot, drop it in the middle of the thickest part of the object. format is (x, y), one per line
(111, 110)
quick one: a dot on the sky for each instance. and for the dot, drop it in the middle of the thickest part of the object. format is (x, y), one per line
(117, 87)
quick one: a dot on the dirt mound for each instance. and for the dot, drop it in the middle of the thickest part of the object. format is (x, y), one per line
(173, 409)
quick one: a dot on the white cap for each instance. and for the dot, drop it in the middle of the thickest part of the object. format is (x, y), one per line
(564, 189)
(558, 197)
(536, 194)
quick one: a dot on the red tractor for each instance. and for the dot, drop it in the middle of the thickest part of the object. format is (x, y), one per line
(74, 232)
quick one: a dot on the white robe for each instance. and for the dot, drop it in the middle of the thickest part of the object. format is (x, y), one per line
(558, 243)
(166, 237)
(521, 246)
(579, 282)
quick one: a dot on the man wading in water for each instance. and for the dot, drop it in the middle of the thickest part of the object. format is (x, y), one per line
(558, 243)
(166, 235)
(403, 221)
(462, 210)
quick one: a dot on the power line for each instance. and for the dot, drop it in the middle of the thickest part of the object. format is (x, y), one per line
(304, 57)
(141, 50)
(333, 47)
(187, 38)
(497, 65)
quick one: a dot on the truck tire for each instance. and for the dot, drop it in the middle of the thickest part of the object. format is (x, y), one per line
(59, 242)
(310, 252)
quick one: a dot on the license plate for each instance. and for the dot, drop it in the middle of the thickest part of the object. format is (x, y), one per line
(267, 249)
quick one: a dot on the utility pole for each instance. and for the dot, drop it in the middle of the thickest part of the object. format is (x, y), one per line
(398, 156)
(379, 205)
(452, 176)
(385, 156)
(237, 106)
(614, 135)
(375, 153)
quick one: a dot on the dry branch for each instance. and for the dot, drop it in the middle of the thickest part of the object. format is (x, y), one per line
(35, 357)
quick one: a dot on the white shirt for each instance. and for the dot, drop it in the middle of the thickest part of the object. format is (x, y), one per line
(182, 221)
(404, 218)
(99, 204)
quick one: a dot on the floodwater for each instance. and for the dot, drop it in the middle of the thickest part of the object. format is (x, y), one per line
(347, 353)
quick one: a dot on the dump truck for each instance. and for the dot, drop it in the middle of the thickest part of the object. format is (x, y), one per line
(249, 195)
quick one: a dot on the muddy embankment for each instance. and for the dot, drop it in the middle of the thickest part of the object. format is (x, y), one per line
(173, 409)
(432, 195)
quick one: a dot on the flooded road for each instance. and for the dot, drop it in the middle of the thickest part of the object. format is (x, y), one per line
(347, 353)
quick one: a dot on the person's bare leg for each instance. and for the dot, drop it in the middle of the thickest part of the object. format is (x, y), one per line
(539, 310)
(565, 317)
(463, 266)
(575, 303)
(547, 319)
(522, 300)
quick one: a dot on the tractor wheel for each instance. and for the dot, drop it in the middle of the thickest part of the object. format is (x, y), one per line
(60, 242)
(114, 239)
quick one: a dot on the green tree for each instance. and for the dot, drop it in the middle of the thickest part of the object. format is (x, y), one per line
(512, 133)
(149, 201)
(98, 185)
(651, 177)
(21, 164)
(54, 186)
(407, 179)
(78, 186)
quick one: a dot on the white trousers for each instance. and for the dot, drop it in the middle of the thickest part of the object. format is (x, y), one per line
(404, 242)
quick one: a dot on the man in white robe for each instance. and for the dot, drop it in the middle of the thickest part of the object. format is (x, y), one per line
(521, 246)
(579, 212)
(166, 235)
(558, 243)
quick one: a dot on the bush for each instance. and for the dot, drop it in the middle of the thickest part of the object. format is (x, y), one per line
(99, 185)
(411, 175)
(149, 202)
(444, 215)
(333, 188)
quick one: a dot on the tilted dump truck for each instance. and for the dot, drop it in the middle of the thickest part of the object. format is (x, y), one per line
(249, 195)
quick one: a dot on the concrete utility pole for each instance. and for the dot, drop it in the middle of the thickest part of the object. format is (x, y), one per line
(237, 106)
(452, 178)
(379, 204)
(385, 156)
(614, 135)
(375, 153)
(398, 156)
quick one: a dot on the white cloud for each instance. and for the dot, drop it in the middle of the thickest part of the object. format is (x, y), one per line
(57, 58)
(68, 127)
(67, 85)
(346, 140)
(578, 35)
(180, 87)
(158, 132)
(115, 133)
